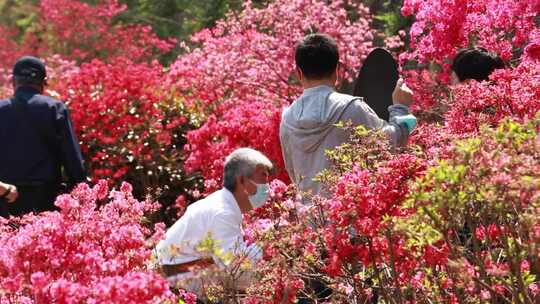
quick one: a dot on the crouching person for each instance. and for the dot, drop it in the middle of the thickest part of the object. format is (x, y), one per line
(217, 219)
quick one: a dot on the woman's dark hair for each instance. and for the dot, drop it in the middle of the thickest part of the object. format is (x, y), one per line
(317, 56)
(475, 63)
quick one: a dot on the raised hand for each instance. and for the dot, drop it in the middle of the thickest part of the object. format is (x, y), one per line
(402, 94)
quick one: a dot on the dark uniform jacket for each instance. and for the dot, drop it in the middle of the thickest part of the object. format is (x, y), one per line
(34, 148)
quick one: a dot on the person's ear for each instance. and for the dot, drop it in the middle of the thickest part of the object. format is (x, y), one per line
(334, 77)
(299, 74)
(454, 78)
(240, 181)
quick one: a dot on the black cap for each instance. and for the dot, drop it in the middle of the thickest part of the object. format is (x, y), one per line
(29, 68)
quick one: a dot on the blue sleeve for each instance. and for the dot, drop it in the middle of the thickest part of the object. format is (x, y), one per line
(70, 151)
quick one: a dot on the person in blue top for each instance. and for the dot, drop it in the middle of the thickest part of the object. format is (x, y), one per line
(38, 147)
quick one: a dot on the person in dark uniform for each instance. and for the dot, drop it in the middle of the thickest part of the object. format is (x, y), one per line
(38, 147)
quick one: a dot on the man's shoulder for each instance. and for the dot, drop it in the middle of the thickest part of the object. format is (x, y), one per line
(354, 104)
(345, 98)
(211, 205)
(333, 96)
(44, 100)
(287, 109)
(4, 103)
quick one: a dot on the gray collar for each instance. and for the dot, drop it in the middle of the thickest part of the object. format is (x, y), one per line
(318, 90)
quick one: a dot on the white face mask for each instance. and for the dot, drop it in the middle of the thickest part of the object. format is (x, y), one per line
(259, 198)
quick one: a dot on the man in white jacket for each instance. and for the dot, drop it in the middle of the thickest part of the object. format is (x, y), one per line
(308, 127)
(218, 217)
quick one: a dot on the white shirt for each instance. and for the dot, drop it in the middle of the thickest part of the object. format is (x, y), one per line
(218, 216)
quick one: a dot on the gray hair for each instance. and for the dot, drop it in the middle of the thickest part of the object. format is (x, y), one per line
(242, 162)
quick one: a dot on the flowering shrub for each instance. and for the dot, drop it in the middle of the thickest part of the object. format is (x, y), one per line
(130, 127)
(94, 250)
(345, 241)
(514, 93)
(476, 217)
(243, 74)
(462, 231)
(443, 26)
(84, 32)
(80, 31)
(463, 108)
(239, 127)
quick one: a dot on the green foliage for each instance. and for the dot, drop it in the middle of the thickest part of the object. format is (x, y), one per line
(19, 15)
(178, 18)
(482, 202)
(387, 16)
(365, 149)
(491, 175)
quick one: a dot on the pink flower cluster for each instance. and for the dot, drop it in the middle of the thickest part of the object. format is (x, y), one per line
(361, 201)
(117, 114)
(243, 74)
(512, 93)
(130, 126)
(255, 125)
(94, 250)
(443, 26)
(78, 31)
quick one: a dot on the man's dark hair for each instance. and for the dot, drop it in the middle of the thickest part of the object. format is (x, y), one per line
(317, 56)
(475, 63)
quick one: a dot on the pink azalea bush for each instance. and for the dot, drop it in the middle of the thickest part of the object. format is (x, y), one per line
(451, 219)
(80, 31)
(345, 240)
(95, 249)
(513, 93)
(118, 114)
(475, 218)
(443, 26)
(131, 128)
(243, 74)
(460, 228)
(91, 31)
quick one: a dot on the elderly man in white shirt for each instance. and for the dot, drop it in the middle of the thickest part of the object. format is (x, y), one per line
(218, 216)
